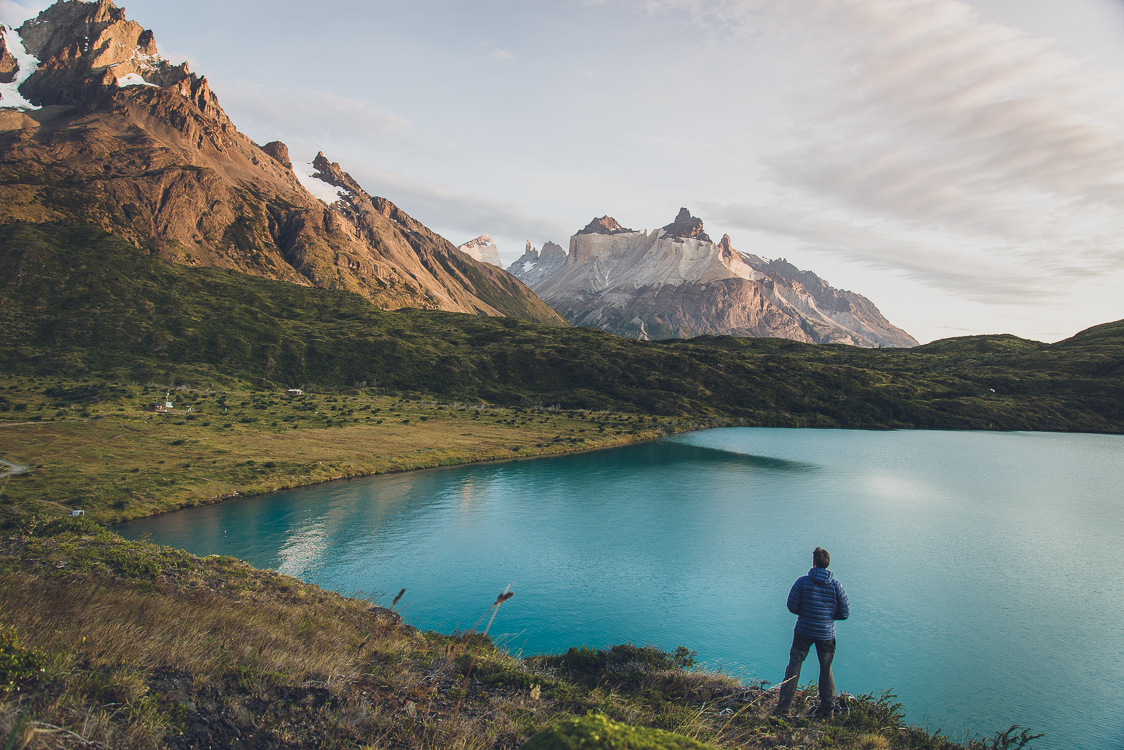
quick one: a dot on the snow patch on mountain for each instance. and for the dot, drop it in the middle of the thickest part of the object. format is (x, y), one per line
(10, 97)
(306, 175)
(134, 79)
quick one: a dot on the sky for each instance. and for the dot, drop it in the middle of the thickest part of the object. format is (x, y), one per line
(958, 162)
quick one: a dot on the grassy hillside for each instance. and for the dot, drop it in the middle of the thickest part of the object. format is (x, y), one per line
(110, 643)
(92, 446)
(80, 303)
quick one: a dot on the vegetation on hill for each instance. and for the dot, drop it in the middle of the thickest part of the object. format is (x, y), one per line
(111, 643)
(92, 445)
(79, 302)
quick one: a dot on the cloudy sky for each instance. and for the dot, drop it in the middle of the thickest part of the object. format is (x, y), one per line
(960, 162)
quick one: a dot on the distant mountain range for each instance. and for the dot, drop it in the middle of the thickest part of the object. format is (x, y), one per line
(677, 283)
(122, 139)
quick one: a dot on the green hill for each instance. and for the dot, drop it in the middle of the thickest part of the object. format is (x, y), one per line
(78, 302)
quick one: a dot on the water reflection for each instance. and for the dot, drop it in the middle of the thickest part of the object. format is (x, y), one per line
(302, 550)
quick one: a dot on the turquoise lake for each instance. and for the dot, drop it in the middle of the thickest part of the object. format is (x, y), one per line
(981, 567)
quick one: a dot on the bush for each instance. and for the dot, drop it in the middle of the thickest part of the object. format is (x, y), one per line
(17, 664)
(596, 732)
(42, 526)
(622, 659)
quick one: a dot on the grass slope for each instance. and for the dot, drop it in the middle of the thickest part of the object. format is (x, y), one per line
(92, 446)
(75, 301)
(110, 643)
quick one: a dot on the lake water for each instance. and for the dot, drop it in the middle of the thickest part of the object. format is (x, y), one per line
(982, 568)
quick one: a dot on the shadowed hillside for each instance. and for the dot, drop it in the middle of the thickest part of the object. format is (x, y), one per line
(79, 302)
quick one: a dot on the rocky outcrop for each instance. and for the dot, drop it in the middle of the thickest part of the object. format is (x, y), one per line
(677, 283)
(404, 248)
(8, 64)
(604, 225)
(280, 153)
(686, 227)
(87, 50)
(159, 163)
(535, 266)
(483, 249)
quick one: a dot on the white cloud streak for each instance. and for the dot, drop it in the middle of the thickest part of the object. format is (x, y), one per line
(456, 212)
(320, 116)
(311, 121)
(13, 14)
(919, 118)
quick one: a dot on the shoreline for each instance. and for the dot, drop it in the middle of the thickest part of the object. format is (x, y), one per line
(250, 493)
(235, 445)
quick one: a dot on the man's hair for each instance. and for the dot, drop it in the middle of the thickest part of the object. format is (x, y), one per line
(820, 558)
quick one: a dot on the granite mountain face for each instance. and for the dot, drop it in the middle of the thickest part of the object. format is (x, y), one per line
(483, 249)
(677, 283)
(97, 128)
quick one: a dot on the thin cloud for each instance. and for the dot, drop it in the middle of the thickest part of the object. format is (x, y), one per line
(971, 275)
(923, 120)
(13, 14)
(322, 117)
(494, 52)
(456, 212)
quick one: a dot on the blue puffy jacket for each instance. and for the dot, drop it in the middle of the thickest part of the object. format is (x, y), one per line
(818, 600)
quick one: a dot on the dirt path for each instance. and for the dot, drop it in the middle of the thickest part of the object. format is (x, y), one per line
(13, 469)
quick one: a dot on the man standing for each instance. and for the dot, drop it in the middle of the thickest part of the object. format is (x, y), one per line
(818, 600)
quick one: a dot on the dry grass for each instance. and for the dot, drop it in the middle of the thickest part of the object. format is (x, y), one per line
(117, 462)
(147, 647)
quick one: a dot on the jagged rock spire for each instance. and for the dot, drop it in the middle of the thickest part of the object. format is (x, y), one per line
(685, 227)
(604, 225)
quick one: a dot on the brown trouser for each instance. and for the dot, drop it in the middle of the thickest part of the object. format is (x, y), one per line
(825, 652)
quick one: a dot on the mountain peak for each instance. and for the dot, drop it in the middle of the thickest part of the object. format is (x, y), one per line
(78, 53)
(604, 225)
(331, 173)
(280, 153)
(482, 240)
(482, 249)
(685, 227)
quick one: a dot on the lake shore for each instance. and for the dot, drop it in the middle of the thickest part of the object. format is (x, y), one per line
(117, 462)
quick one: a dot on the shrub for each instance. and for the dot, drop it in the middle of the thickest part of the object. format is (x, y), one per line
(622, 659)
(17, 664)
(41, 526)
(597, 731)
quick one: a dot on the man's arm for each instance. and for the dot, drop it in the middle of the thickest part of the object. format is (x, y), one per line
(842, 606)
(794, 597)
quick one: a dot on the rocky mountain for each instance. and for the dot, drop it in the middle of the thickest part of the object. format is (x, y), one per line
(677, 283)
(483, 249)
(97, 128)
(537, 266)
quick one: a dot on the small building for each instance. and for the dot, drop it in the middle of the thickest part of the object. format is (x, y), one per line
(165, 405)
(295, 392)
(77, 512)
